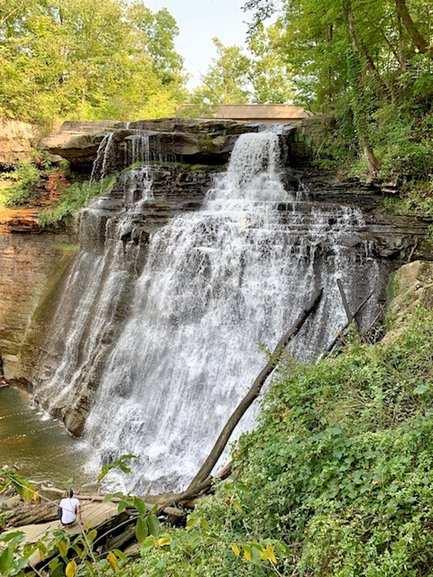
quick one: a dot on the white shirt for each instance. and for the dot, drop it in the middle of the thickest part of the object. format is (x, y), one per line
(69, 510)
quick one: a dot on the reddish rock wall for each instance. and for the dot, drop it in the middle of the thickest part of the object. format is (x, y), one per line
(31, 266)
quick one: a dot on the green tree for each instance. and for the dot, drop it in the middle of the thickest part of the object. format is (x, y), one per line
(227, 79)
(270, 71)
(369, 64)
(87, 60)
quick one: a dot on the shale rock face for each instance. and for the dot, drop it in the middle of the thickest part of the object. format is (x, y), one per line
(78, 142)
(411, 285)
(397, 238)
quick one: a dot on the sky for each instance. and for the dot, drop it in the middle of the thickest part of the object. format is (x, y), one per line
(199, 21)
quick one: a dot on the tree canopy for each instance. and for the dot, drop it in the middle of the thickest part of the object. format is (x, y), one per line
(87, 60)
(368, 63)
(259, 74)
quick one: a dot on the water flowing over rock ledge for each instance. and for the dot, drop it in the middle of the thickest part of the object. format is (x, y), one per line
(181, 262)
(177, 140)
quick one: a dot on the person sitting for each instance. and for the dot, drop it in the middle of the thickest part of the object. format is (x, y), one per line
(69, 510)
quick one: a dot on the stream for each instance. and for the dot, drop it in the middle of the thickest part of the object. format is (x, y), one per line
(38, 445)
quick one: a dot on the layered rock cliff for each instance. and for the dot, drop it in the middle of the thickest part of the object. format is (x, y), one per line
(182, 159)
(31, 266)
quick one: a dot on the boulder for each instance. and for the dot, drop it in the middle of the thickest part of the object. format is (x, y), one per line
(411, 285)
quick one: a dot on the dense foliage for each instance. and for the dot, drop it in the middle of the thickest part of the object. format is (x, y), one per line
(87, 60)
(72, 199)
(370, 65)
(337, 480)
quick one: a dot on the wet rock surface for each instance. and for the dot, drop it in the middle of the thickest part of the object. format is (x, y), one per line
(399, 238)
(28, 265)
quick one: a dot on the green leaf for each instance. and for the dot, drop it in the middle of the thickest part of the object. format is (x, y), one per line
(255, 553)
(63, 547)
(6, 561)
(91, 535)
(141, 529)
(121, 555)
(153, 524)
(118, 464)
(16, 537)
(140, 505)
(421, 389)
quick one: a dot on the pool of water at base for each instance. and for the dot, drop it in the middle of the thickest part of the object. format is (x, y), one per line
(38, 446)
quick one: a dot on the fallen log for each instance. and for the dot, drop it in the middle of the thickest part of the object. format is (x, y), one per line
(27, 513)
(252, 394)
(174, 512)
(225, 472)
(349, 315)
(340, 334)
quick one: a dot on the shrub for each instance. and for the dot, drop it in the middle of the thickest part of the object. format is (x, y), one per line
(27, 178)
(73, 199)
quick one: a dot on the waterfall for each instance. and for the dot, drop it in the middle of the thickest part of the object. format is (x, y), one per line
(103, 156)
(138, 182)
(217, 284)
(94, 300)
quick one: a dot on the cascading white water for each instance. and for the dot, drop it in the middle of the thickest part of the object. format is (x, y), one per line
(217, 283)
(138, 182)
(96, 288)
(100, 166)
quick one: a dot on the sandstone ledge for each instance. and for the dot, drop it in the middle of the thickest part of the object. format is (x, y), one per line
(179, 140)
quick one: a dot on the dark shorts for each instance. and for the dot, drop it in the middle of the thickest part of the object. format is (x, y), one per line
(67, 524)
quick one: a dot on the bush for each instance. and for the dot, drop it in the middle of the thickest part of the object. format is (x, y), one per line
(27, 178)
(404, 144)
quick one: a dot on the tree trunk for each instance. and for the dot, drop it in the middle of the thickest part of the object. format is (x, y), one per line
(360, 114)
(417, 38)
(361, 49)
(401, 45)
(334, 343)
